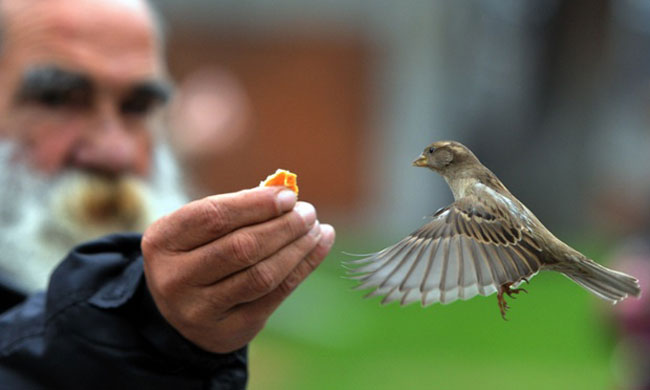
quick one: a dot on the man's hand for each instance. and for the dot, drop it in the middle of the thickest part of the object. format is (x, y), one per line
(218, 267)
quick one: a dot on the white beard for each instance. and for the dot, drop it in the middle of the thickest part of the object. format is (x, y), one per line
(42, 218)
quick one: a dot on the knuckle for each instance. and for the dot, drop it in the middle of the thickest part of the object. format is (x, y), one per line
(152, 242)
(293, 280)
(148, 246)
(311, 264)
(290, 283)
(294, 225)
(262, 279)
(219, 302)
(217, 218)
(244, 248)
(306, 244)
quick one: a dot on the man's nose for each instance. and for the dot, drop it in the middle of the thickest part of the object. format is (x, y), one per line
(108, 146)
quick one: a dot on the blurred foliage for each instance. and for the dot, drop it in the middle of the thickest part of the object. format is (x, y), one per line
(327, 337)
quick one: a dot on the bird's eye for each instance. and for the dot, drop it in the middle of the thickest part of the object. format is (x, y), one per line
(431, 149)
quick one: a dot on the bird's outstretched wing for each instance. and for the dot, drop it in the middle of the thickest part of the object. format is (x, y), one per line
(471, 247)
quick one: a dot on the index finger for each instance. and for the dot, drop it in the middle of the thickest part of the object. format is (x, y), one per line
(210, 218)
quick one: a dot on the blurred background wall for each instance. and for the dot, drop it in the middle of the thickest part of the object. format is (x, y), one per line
(552, 95)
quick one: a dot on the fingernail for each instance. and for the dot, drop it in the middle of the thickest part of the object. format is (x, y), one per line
(286, 200)
(328, 234)
(306, 211)
(315, 230)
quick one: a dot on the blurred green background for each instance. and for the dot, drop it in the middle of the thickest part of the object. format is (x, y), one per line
(326, 336)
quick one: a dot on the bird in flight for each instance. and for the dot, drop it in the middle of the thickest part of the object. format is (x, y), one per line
(486, 241)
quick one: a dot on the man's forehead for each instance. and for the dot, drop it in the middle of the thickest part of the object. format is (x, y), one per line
(78, 14)
(111, 39)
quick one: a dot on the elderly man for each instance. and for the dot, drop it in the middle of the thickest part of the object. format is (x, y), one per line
(174, 308)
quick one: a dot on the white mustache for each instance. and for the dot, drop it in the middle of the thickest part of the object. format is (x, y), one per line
(83, 201)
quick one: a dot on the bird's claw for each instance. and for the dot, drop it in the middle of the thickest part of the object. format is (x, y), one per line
(506, 288)
(511, 291)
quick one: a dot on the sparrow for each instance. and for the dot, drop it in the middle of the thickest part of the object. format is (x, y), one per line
(486, 241)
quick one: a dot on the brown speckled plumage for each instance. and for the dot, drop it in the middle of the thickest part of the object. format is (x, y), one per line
(486, 241)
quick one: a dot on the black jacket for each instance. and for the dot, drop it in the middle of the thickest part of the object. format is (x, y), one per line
(97, 327)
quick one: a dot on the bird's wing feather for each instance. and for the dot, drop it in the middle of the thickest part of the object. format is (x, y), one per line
(471, 247)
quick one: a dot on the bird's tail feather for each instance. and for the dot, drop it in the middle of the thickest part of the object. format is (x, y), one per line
(608, 284)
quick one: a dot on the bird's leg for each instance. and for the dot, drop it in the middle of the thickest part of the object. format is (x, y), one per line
(506, 288)
(503, 306)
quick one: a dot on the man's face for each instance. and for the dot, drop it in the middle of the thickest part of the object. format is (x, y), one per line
(80, 81)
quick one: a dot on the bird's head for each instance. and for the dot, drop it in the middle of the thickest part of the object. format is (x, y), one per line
(447, 158)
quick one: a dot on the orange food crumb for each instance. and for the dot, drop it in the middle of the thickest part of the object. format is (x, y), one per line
(282, 177)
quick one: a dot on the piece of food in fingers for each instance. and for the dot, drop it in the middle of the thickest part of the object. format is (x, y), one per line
(282, 177)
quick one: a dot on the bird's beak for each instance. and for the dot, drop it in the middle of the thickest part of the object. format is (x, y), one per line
(420, 161)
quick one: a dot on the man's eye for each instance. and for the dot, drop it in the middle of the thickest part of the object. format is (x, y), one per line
(59, 99)
(137, 106)
(51, 99)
